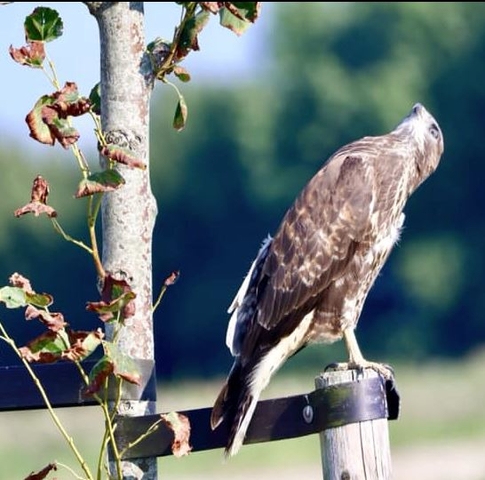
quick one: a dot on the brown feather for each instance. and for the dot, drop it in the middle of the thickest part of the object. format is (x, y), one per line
(309, 283)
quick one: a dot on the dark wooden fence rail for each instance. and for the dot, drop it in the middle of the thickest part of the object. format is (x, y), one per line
(64, 386)
(329, 407)
(275, 419)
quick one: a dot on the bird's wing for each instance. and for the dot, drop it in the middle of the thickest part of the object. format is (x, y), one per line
(329, 220)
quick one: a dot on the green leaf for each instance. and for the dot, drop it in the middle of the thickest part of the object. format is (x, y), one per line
(38, 129)
(182, 74)
(98, 374)
(95, 99)
(188, 37)
(46, 348)
(124, 366)
(248, 10)
(113, 362)
(13, 297)
(239, 16)
(233, 23)
(40, 300)
(90, 343)
(181, 112)
(43, 25)
(99, 182)
(64, 133)
(111, 307)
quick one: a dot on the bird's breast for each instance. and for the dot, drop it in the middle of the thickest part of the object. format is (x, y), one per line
(342, 301)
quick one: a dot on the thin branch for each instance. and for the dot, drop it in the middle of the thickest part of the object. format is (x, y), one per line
(168, 64)
(160, 296)
(81, 160)
(164, 80)
(102, 453)
(60, 231)
(109, 426)
(54, 80)
(93, 211)
(48, 404)
(151, 429)
(70, 470)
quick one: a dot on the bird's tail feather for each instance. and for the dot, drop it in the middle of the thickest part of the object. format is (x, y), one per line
(244, 414)
(226, 401)
(235, 403)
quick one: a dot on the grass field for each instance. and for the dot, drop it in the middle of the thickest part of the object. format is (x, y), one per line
(440, 434)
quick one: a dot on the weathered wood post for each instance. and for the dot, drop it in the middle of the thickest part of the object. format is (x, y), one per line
(356, 451)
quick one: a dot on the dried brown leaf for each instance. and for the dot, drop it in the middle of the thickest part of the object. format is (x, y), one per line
(172, 278)
(180, 426)
(122, 155)
(17, 280)
(58, 126)
(38, 357)
(212, 7)
(40, 475)
(116, 296)
(53, 321)
(38, 200)
(82, 344)
(40, 190)
(68, 102)
(37, 209)
(32, 54)
(134, 378)
(48, 119)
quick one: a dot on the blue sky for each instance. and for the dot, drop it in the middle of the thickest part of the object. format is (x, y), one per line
(223, 55)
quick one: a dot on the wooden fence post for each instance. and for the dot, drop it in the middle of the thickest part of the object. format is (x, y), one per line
(357, 451)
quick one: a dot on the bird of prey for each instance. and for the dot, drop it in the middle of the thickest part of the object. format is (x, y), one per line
(309, 282)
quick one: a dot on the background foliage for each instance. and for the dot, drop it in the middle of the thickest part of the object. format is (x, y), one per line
(333, 72)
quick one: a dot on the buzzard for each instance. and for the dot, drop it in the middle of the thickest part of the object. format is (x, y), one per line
(309, 282)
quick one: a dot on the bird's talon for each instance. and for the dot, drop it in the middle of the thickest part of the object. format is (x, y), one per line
(382, 369)
(332, 366)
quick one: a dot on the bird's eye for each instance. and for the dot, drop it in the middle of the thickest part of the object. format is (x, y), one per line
(434, 130)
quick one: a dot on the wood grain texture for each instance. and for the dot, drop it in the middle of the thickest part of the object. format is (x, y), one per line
(356, 451)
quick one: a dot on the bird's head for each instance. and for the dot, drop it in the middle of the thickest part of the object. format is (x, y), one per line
(421, 129)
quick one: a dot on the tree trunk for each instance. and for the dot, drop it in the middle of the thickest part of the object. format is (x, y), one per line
(128, 214)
